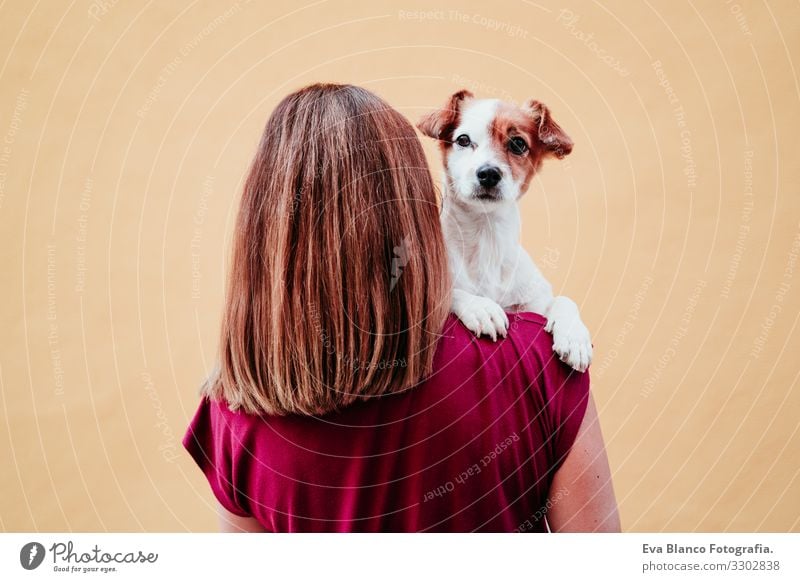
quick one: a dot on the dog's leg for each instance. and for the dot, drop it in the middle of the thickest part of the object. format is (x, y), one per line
(480, 315)
(571, 340)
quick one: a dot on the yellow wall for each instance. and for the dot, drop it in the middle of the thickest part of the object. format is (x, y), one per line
(127, 128)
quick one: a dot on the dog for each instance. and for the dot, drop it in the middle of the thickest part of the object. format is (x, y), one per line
(491, 150)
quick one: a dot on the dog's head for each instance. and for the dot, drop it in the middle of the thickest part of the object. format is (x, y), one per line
(493, 148)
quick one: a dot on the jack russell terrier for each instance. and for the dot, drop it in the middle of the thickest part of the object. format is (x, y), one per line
(491, 150)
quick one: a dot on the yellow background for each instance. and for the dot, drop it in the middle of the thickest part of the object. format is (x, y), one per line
(126, 129)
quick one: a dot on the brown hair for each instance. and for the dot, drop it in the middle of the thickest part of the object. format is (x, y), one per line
(339, 284)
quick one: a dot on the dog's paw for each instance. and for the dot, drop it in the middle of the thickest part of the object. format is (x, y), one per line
(571, 341)
(482, 316)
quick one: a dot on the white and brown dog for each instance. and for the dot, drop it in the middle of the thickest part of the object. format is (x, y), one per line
(491, 151)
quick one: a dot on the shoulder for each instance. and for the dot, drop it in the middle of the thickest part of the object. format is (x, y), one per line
(498, 374)
(524, 324)
(523, 360)
(529, 326)
(526, 338)
(215, 423)
(213, 441)
(525, 356)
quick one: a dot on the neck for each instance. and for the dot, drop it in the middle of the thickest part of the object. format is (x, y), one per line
(469, 224)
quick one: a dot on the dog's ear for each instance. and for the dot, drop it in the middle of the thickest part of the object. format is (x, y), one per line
(554, 139)
(440, 124)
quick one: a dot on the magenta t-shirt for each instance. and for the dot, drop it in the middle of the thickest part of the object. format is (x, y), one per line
(472, 448)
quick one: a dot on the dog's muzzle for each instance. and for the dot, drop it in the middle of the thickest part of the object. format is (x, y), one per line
(487, 194)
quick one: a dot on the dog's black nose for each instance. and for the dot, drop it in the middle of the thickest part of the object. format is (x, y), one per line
(489, 176)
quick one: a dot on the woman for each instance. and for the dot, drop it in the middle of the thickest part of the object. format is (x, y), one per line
(347, 398)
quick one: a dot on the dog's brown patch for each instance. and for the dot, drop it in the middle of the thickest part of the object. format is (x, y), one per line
(441, 123)
(553, 139)
(542, 135)
(511, 121)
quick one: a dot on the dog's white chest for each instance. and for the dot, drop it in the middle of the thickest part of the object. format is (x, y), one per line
(489, 269)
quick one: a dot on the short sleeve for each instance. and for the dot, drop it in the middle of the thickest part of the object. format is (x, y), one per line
(209, 442)
(568, 397)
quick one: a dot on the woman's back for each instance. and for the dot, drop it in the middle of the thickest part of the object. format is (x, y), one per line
(472, 448)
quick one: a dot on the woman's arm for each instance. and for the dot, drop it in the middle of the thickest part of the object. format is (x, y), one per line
(586, 501)
(232, 523)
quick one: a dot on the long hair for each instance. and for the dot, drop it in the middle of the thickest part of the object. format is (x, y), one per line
(339, 286)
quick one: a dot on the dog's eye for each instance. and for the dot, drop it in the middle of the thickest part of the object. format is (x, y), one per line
(517, 146)
(463, 140)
